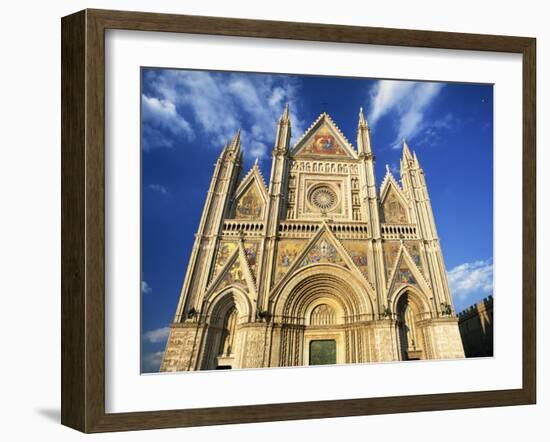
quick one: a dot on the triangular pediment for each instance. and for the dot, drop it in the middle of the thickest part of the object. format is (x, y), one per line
(388, 181)
(394, 204)
(250, 196)
(235, 271)
(323, 248)
(324, 139)
(405, 272)
(323, 251)
(392, 252)
(253, 175)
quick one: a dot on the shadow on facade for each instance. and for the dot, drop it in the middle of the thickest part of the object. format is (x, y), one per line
(476, 329)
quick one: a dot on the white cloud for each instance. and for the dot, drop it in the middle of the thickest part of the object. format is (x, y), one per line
(471, 278)
(158, 188)
(157, 335)
(277, 97)
(395, 170)
(151, 362)
(447, 122)
(219, 104)
(385, 96)
(145, 288)
(408, 101)
(432, 135)
(160, 116)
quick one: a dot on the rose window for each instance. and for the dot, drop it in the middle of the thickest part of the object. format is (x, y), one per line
(323, 197)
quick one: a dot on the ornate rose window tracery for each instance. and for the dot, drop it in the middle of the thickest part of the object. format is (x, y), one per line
(323, 198)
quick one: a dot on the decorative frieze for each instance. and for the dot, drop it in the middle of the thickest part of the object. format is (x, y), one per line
(326, 167)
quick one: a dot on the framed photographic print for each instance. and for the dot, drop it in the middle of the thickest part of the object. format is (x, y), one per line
(267, 221)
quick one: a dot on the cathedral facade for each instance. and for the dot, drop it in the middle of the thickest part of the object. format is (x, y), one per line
(319, 266)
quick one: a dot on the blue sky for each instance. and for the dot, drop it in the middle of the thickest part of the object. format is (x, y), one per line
(188, 115)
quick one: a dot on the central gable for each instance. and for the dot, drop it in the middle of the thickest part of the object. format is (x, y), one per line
(324, 138)
(323, 251)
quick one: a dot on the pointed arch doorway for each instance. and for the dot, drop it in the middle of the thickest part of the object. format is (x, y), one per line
(321, 336)
(411, 342)
(222, 343)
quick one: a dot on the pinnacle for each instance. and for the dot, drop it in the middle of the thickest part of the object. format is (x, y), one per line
(362, 120)
(237, 140)
(406, 150)
(387, 178)
(415, 158)
(286, 113)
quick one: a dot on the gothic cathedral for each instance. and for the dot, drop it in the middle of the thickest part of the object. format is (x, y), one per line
(318, 267)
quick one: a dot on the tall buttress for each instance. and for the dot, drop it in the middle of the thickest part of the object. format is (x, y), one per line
(227, 171)
(275, 204)
(416, 190)
(372, 207)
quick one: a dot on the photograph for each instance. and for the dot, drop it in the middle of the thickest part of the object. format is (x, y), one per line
(301, 220)
(271, 221)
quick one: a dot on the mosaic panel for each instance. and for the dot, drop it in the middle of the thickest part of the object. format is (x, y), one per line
(391, 249)
(251, 252)
(404, 276)
(225, 251)
(233, 275)
(250, 205)
(323, 252)
(358, 253)
(394, 212)
(287, 252)
(323, 143)
(414, 250)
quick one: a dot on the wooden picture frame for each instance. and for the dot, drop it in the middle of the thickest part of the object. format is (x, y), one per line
(83, 220)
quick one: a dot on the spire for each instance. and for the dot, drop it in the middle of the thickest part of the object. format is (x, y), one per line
(415, 159)
(236, 143)
(363, 135)
(406, 151)
(362, 120)
(224, 151)
(282, 142)
(286, 114)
